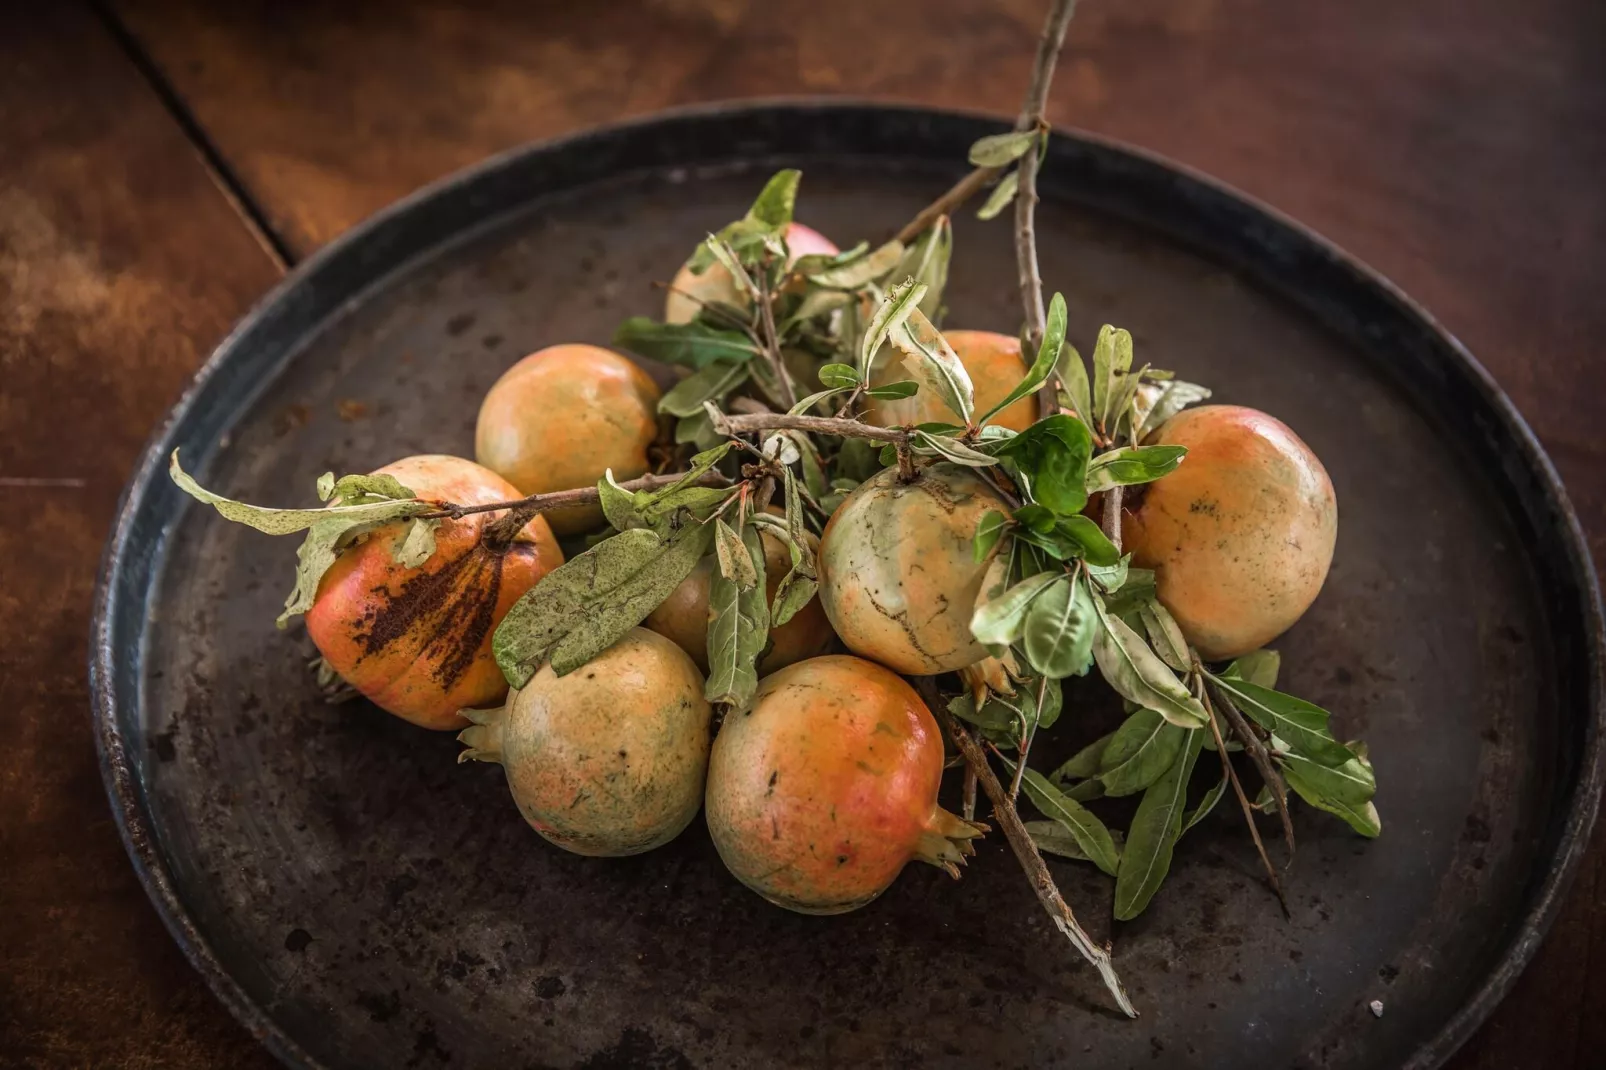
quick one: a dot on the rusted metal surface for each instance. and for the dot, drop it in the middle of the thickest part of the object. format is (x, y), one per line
(358, 899)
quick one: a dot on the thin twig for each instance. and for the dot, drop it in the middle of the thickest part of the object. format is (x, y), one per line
(1263, 763)
(1031, 860)
(970, 794)
(1243, 799)
(1026, 741)
(726, 424)
(772, 344)
(563, 499)
(952, 198)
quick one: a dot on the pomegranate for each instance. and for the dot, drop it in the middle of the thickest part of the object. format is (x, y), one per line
(898, 576)
(1241, 535)
(995, 366)
(608, 760)
(690, 291)
(417, 641)
(683, 616)
(563, 416)
(823, 790)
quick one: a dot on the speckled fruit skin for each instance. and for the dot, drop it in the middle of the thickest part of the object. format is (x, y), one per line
(1241, 535)
(688, 291)
(683, 616)
(823, 790)
(995, 366)
(563, 416)
(610, 759)
(898, 576)
(418, 641)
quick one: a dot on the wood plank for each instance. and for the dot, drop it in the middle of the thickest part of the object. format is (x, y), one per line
(1457, 145)
(120, 265)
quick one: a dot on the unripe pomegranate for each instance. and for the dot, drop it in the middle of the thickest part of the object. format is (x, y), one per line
(823, 790)
(608, 760)
(683, 616)
(563, 416)
(898, 576)
(417, 641)
(995, 366)
(690, 291)
(1241, 535)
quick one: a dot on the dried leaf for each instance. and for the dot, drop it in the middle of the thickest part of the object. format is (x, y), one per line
(735, 563)
(1137, 673)
(933, 363)
(896, 307)
(738, 630)
(417, 543)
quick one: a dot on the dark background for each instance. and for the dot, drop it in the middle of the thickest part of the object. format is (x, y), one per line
(162, 163)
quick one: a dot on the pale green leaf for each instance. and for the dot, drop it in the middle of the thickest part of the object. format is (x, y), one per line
(1137, 673)
(1000, 197)
(1139, 753)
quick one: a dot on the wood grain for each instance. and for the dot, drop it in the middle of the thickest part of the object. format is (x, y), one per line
(1457, 145)
(120, 264)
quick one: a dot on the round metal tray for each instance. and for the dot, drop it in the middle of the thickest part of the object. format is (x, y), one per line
(357, 899)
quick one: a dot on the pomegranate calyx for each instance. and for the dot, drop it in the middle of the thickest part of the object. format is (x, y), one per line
(946, 841)
(483, 736)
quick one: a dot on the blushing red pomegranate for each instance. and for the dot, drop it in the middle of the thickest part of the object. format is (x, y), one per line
(823, 790)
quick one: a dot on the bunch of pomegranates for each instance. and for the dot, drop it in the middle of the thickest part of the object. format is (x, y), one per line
(737, 636)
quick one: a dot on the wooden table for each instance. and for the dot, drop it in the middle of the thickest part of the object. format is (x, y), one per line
(162, 163)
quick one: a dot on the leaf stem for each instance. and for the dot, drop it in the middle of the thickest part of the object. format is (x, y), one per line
(823, 425)
(1111, 518)
(1263, 763)
(970, 794)
(1031, 860)
(1243, 799)
(772, 345)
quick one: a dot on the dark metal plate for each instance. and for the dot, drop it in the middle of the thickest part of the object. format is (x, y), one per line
(358, 899)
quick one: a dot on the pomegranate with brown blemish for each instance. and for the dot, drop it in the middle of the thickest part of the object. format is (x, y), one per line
(417, 641)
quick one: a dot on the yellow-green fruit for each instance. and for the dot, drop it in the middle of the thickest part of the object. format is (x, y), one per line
(690, 291)
(995, 366)
(898, 574)
(561, 417)
(1241, 535)
(683, 616)
(610, 759)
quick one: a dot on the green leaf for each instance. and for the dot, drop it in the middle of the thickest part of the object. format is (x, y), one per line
(1095, 545)
(287, 521)
(1073, 377)
(814, 303)
(1047, 355)
(1089, 832)
(856, 460)
(1152, 838)
(861, 270)
(364, 490)
(794, 592)
(900, 302)
(1257, 666)
(731, 262)
(659, 509)
(952, 449)
(933, 363)
(1136, 588)
(1000, 197)
(695, 345)
(1345, 790)
(326, 486)
(1165, 635)
(926, 261)
(1176, 397)
(1052, 838)
(998, 622)
(999, 150)
(776, 201)
(701, 464)
(1039, 518)
(1139, 753)
(988, 532)
(1059, 629)
(618, 504)
(735, 564)
(696, 429)
(1137, 673)
(1110, 578)
(806, 265)
(1207, 804)
(738, 630)
(839, 375)
(1112, 359)
(803, 406)
(904, 388)
(992, 717)
(585, 605)
(1052, 454)
(1084, 764)
(1303, 724)
(1131, 465)
(712, 383)
(417, 543)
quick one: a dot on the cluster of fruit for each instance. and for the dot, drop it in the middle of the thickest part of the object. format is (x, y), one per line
(923, 538)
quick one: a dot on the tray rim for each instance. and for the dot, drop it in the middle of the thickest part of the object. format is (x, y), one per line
(127, 799)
